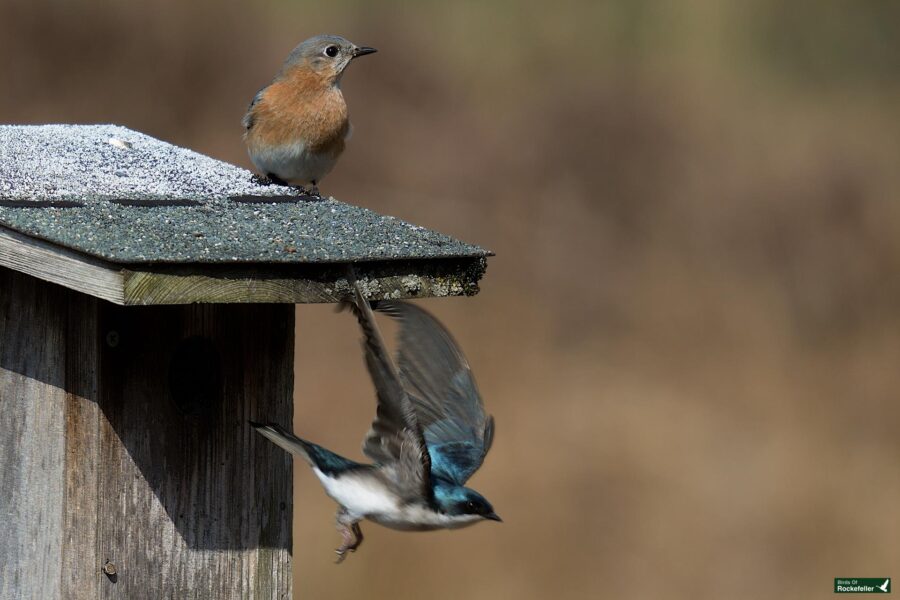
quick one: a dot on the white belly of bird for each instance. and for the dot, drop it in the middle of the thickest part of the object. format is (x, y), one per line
(367, 497)
(293, 163)
(361, 496)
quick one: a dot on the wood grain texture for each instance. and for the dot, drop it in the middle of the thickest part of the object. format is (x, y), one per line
(98, 463)
(32, 428)
(193, 504)
(81, 576)
(67, 268)
(301, 284)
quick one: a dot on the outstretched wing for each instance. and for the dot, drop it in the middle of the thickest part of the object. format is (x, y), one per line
(395, 438)
(442, 389)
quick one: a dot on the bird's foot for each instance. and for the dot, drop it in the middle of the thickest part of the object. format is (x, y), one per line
(351, 538)
(311, 192)
(267, 179)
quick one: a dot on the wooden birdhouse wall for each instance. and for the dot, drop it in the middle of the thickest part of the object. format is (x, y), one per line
(127, 468)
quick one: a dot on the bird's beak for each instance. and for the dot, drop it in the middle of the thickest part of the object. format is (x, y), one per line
(494, 517)
(362, 51)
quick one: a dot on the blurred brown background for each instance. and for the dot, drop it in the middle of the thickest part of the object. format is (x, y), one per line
(690, 335)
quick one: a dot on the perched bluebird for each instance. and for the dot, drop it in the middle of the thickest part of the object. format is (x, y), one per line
(296, 126)
(430, 434)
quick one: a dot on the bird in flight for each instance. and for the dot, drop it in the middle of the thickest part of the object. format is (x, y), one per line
(430, 434)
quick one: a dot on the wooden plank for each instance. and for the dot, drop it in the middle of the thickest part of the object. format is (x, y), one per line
(297, 284)
(32, 425)
(61, 266)
(192, 503)
(81, 575)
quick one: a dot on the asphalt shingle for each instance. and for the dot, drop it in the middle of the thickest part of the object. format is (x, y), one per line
(126, 197)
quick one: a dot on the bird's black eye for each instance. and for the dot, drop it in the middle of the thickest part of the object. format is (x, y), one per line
(331, 51)
(470, 506)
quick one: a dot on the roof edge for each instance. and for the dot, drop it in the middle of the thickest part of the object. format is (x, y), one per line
(153, 284)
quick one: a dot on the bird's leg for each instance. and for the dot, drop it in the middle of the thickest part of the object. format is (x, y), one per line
(351, 534)
(314, 190)
(357, 531)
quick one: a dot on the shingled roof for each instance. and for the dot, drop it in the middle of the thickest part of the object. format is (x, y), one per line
(189, 228)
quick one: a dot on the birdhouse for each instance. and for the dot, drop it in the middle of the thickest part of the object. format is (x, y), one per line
(146, 314)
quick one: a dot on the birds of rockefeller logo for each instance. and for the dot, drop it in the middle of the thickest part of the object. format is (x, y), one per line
(862, 585)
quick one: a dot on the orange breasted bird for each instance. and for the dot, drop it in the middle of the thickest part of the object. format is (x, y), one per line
(297, 126)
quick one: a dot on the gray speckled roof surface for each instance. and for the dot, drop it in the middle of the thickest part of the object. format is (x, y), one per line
(126, 197)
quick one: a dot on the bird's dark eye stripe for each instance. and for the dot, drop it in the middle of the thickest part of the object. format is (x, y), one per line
(331, 51)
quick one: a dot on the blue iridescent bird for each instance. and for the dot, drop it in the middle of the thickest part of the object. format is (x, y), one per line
(429, 436)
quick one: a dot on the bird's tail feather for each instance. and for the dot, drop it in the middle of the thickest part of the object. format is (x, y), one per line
(284, 439)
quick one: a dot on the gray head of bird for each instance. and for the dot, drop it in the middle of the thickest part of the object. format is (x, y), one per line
(325, 55)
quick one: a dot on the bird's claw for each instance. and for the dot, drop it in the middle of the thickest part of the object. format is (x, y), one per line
(311, 192)
(268, 179)
(342, 554)
(351, 538)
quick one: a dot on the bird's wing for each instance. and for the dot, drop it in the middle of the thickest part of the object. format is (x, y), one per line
(249, 119)
(395, 438)
(442, 389)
